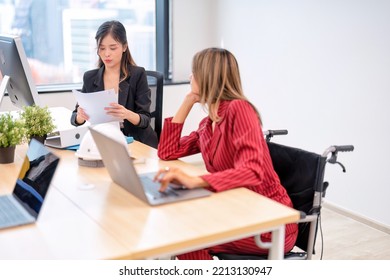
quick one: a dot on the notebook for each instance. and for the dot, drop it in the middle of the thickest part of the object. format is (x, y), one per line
(25, 203)
(121, 168)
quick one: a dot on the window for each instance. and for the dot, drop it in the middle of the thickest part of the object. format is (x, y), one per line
(59, 35)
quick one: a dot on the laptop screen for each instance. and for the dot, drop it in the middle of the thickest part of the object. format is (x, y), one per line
(35, 176)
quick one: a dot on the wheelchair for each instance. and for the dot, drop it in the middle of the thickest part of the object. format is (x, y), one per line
(302, 174)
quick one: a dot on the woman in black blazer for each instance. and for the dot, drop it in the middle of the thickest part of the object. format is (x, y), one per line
(118, 70)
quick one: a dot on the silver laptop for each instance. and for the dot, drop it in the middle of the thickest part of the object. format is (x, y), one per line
(121, 168)
(25, 203)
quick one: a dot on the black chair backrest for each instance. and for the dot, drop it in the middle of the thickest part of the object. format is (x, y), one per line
(301, 173)
(156, 85)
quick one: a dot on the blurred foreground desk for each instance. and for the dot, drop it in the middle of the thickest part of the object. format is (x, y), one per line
(63, 231)
(142, 231)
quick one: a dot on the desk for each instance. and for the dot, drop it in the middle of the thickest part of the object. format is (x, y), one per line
(62, 231)
(146, 232)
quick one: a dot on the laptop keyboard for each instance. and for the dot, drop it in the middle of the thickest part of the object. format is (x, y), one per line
(10, 214)
(152, 187)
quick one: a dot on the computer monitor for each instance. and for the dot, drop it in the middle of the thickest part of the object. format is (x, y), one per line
(15, 73)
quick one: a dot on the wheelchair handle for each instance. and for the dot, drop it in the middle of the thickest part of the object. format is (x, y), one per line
(334, 149)
(276, 132)
(344, 148)
(270, 133)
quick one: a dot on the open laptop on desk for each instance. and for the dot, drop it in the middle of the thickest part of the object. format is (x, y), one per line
(121, 168)
(24, 204)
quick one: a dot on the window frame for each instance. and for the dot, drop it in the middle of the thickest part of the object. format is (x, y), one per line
(163, 35)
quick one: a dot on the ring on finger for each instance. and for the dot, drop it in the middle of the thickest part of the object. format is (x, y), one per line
(166, 169)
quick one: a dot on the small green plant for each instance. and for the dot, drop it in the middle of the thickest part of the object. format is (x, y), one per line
(37, 120)
(12, 131)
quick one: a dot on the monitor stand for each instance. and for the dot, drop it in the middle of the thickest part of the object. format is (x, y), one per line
(3, 86)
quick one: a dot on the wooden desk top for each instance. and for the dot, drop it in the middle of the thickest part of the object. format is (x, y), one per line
(150, 231)
(62, 231)
(142, 231)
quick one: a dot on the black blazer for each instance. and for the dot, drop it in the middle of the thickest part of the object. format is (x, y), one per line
(134, 94)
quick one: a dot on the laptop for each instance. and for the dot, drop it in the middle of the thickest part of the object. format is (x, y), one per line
(25, 203)
(120, 166)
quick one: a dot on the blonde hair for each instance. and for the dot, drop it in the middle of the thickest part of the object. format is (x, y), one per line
(218, 77)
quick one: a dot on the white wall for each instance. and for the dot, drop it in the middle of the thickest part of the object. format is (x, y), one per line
(193, 29)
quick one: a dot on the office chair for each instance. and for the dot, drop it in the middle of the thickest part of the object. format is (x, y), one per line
(302, 174)
(156, 85)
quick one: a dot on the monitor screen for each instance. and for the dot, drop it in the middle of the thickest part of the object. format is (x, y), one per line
(15, 73)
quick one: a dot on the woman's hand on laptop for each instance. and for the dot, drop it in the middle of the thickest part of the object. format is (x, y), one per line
(168, 175)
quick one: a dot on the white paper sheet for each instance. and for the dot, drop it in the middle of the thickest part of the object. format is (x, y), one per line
(94, 103)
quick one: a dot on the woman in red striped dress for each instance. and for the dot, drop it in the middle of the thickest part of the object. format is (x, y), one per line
(230, 140)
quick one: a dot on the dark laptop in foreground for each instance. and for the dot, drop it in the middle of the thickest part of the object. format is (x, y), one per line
(25, 203)
(121, 168)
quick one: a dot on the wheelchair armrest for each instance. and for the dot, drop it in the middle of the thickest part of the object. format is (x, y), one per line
(307, 218)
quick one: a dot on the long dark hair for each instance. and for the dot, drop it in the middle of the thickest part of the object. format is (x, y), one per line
(118, 32)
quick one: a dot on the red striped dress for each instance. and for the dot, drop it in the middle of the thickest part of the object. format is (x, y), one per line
(236, 155)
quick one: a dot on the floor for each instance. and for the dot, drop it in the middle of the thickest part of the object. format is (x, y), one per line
(348, 239)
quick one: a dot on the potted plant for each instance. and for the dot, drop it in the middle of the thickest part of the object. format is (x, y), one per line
(38, 121)
(12, 133)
